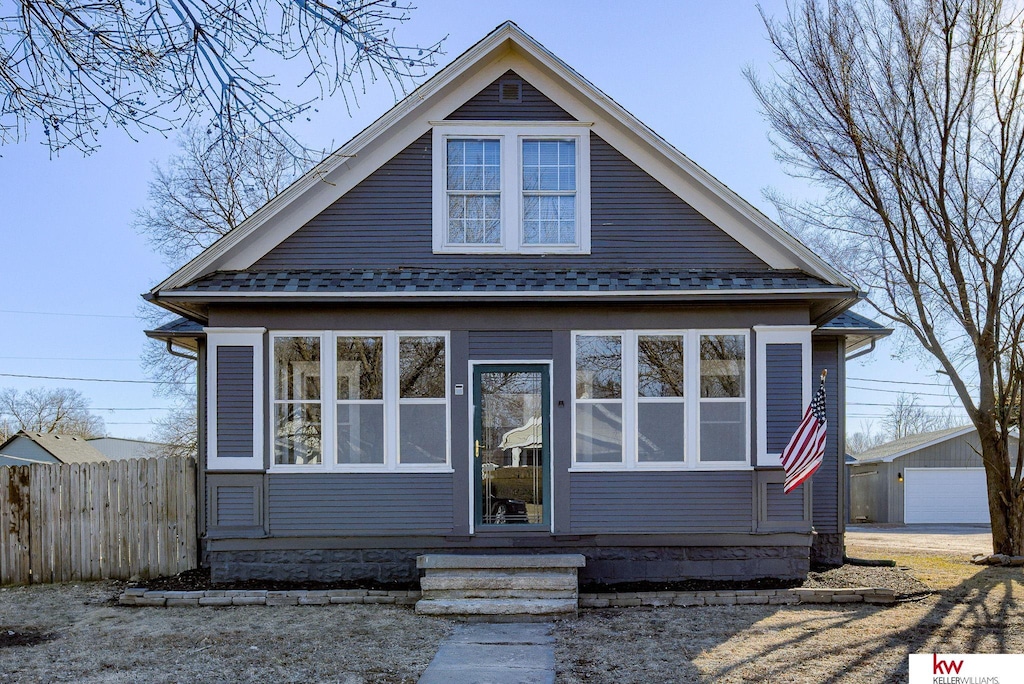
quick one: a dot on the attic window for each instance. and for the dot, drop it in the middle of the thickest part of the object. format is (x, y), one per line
(510, 92)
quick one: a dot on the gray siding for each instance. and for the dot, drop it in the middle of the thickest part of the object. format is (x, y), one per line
(784, 394)
(783, 507)
(636, 222)
(234, 401)
(236, 505)
(662, 502)
(25, 450)
(360, 503)
(515, 345)
(827, 354)
(535, 106)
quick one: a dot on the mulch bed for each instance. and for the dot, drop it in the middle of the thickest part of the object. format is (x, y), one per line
(845, 576)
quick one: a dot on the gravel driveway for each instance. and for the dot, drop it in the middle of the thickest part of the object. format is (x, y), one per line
(952, 539)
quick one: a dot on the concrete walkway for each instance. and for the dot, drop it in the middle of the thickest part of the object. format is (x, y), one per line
(489, 653)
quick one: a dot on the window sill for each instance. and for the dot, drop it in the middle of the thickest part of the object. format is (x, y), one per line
(521, 251)
(291, 469)
(682, 467)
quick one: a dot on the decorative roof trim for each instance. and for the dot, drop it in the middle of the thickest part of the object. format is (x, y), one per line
(480, 65)
(520, 294)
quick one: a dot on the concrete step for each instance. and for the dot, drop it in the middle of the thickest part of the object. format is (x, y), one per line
(504, 562)
(471, 593)
(497, 580)
(497, 606)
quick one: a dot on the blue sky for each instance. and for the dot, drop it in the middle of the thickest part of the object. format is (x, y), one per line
(73, 267)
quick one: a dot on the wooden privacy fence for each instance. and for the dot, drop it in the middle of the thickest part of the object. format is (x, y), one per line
(110, 520)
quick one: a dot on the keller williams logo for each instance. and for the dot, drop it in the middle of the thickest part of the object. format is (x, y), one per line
(945, 667)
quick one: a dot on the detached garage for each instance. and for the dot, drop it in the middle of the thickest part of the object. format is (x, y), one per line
(934, 477)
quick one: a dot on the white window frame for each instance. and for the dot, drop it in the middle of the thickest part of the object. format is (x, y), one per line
(699, 400)
(326, 397)
(691, 401)
(510, 134)
(234, 337)
(329, 402)
(778, 334)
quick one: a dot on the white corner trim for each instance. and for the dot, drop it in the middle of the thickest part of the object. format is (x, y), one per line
(234, 337)
(778, 334)
(506, 47)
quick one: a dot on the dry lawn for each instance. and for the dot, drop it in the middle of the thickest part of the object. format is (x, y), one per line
(93, 640)
(975, 610)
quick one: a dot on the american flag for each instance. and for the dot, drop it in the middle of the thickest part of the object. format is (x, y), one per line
(803, 455)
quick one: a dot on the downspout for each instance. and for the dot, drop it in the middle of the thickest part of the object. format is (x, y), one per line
(862, 352)
(182, 355)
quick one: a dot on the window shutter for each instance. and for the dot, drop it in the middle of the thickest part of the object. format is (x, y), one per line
(234, 439)
(783, 386)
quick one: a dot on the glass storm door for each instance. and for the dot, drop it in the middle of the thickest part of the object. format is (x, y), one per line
(511, 445)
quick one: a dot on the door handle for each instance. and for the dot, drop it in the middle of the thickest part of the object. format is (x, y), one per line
(478, 448)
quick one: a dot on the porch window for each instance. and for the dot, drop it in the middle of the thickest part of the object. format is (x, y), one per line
(723, 398)
(661, 399)
(360, 415)
(599, 398)
(661, 407)
(298, 424)
(422, 407)
(376, 401)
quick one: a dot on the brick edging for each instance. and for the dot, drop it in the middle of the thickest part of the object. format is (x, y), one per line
(320, 597)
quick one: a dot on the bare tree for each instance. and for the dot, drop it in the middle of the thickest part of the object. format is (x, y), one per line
(203, 192)
(206, 190)
(61, 410)
(909, 113)
(907, 417)
(74, 67)
(863, 439)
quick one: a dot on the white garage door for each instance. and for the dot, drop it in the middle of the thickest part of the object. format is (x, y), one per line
(945, 495)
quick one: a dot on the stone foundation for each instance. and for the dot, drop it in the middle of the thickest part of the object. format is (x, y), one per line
(828, 549)
(605, 565)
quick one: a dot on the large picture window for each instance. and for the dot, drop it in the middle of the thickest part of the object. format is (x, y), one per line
(661, 399)
(374, 401)
(511, 188)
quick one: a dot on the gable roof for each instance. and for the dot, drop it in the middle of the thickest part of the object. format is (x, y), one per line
(504, 48)
(64, 448)
(890, 451)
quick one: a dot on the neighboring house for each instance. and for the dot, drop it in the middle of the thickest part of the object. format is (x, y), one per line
(508, 317)
(26, 448)
(119, 449)
(933, 477)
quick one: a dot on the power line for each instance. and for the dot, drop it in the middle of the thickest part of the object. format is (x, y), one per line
(58, 377)
(938, 406)
(132, 408)
(899, 382)
(891, 391)
(57, 313)
(62, 358)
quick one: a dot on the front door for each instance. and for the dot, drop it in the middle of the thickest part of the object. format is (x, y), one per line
(511, 445)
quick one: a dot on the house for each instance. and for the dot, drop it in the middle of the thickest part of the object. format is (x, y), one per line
(26, 448)
(932, 477)
(119, 448)
(507, 317)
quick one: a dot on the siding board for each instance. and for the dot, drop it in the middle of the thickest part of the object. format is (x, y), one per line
(234, 402)
(660, 502)
(825, 495)
(360, 503)
(782, 507)
(518, 344)
(235, 505)
(784, 393)
(535, 106)
(636, 222)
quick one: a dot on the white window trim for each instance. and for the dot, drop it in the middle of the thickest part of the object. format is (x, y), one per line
(778, 334)
(234, 337)
(691, 400)
(329, 402)
(510, 134)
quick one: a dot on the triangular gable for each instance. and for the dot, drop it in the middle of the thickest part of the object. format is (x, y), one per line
(506, 48)
(487, 105)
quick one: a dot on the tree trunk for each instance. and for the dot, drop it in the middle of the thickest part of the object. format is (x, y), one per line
(1005, 502)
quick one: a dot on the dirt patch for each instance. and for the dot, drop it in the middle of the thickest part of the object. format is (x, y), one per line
(23, 636)
(898, 579)
(100, 642)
